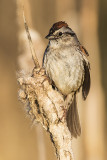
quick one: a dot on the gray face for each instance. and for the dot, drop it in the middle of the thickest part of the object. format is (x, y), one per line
(64, 33)
(60, 33)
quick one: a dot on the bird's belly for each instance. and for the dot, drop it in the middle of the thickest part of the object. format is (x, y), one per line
(67, 73)
(69, 80)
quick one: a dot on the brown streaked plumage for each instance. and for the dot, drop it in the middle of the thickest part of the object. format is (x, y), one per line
(83, 50)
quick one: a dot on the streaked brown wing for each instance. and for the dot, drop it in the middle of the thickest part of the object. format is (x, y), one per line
(83, 50)
(87, 81)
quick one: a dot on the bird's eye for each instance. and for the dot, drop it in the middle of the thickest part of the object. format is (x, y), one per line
(60, 33)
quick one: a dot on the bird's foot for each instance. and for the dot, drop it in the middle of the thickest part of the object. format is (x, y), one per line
(64, 113)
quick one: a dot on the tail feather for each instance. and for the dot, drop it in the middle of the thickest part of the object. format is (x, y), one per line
(73, 122)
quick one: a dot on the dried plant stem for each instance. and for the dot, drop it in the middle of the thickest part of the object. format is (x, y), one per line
(30, 43)
(46, 106)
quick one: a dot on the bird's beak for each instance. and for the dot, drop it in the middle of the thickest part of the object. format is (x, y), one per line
(49, 36)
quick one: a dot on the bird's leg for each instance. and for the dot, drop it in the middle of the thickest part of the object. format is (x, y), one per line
(68, 101)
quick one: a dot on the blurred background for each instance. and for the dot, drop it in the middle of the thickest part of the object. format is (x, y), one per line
(19, 139)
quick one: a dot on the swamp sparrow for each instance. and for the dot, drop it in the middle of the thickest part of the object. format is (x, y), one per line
(65, 62)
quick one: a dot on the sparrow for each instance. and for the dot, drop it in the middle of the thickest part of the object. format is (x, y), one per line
(66, 64)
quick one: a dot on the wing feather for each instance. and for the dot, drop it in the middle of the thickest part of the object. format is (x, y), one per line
(87, 81)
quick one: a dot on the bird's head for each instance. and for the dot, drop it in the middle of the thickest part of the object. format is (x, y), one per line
(61, 31)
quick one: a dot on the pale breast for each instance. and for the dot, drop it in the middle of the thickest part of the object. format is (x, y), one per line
(65, 68)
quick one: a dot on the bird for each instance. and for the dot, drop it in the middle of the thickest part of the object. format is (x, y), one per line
(66, 64)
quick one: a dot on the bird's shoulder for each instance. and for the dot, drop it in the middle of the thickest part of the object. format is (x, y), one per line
(83, 50)
(45, 52)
